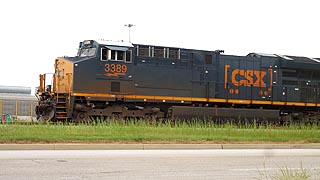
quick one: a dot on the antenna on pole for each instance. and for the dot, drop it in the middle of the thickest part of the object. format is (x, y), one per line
(129, 26)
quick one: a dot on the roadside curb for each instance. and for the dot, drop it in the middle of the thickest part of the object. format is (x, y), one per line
(153, 146)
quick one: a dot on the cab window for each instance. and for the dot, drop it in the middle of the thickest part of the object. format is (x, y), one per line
(84, 52)
(115, 55)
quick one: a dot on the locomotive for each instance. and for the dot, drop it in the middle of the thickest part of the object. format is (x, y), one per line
(123, 80)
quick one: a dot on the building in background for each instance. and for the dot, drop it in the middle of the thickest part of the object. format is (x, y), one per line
(18, 102)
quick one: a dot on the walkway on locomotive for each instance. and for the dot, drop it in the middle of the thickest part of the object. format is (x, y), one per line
(105, 69)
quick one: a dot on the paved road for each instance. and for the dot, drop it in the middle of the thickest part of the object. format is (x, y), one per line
(153, 164)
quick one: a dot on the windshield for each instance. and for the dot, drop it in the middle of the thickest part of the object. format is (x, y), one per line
(87, 52)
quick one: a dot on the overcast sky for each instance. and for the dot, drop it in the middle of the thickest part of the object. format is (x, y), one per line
(35, 32)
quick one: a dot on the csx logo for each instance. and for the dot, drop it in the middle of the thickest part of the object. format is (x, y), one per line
(247, 78)
(240, 77)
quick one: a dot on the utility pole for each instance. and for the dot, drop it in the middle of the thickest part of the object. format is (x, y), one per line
(129, 26)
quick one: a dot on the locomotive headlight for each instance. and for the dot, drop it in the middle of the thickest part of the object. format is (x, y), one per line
(87, 42)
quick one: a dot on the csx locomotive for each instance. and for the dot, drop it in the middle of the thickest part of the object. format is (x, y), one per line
(124, 80)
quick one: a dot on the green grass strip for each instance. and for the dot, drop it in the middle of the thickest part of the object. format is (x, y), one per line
(144, 132)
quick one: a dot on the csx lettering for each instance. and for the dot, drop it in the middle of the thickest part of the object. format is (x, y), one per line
(240, 77)
(115, 68)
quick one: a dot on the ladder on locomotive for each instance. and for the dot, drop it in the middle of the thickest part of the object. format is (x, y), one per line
(61, 107)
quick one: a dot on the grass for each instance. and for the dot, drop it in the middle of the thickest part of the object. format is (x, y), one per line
(286, 173)
(141, 131)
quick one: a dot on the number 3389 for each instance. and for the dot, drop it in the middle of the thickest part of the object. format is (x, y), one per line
(115, 68)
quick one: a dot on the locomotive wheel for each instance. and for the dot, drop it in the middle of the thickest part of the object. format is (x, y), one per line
(82, 117)
(117, 116)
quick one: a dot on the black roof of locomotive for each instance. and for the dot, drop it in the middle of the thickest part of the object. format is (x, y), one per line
(298, 59)
(305, 59)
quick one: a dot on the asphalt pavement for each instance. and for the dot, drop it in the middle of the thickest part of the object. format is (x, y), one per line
(155, 164)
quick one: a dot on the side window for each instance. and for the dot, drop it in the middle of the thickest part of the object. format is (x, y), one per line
(104, 54)
(159, 52)
(128, 56)
(120, 55)
(143, 50)
(174, 53)
(115, 55)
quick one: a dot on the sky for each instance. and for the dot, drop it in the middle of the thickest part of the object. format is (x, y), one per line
(34, 32)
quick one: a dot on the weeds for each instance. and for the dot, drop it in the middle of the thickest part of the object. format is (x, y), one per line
(285, 173)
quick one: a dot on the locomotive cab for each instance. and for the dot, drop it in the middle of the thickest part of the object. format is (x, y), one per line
(96, 62)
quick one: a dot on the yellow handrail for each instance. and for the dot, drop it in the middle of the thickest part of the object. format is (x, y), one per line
(69, 81)
(0, 107)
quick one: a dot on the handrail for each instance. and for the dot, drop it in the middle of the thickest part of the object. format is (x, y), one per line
(69, 91)
(41, 88)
